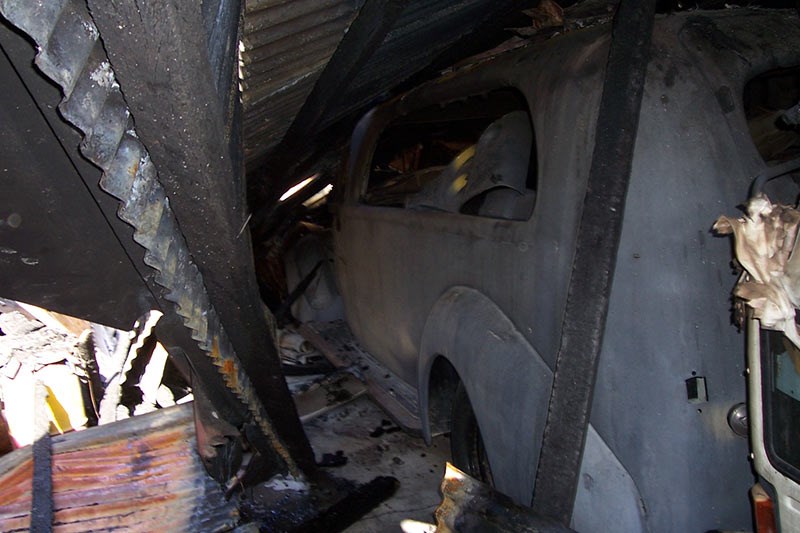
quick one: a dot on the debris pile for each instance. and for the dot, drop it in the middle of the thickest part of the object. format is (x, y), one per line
(765, 240)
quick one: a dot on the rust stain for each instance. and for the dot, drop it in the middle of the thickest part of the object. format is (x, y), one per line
(142, 473)
(229, 370)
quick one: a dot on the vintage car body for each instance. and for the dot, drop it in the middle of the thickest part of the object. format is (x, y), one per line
(487, 294)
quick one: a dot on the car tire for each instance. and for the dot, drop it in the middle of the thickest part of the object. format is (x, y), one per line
(466, 444)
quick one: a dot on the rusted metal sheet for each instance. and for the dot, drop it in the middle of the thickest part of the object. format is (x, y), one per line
(285, 46)
(142, 473)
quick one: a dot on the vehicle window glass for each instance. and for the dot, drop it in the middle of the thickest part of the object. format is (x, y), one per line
(475, 157)
(781, 363)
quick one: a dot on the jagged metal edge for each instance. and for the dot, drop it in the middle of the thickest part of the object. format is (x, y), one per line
(143, 331)
(70, 53)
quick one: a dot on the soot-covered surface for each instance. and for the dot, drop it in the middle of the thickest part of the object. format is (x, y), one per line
(374, 446)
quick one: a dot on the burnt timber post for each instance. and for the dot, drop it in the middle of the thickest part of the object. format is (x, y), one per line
(175, 64)
(595, 259)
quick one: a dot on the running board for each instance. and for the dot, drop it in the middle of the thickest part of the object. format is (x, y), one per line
(339, 346)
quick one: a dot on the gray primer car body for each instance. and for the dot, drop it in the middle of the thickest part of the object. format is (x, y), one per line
(489, 295)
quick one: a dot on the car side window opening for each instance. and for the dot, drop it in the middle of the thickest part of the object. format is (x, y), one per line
(474, 157)
(781, 361)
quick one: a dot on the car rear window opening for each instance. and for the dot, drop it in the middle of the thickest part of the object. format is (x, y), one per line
(474, 156)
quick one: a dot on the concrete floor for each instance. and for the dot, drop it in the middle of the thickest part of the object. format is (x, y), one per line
(374, 446)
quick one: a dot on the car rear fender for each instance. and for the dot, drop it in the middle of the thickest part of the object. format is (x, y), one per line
(508, 384)
(507, 381)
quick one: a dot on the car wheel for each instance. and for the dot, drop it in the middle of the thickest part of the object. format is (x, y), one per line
(466, 444)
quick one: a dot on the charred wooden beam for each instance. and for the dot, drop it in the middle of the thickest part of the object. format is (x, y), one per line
(595, 259)
(160, 55)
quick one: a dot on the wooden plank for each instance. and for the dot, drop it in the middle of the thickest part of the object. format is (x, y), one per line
(56, 321)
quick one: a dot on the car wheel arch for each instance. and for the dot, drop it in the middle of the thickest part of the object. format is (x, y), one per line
(495, 363)
(463, 309)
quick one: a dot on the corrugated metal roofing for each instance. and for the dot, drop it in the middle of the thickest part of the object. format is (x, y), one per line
(425, 29)
(140, 474)
(285, 46)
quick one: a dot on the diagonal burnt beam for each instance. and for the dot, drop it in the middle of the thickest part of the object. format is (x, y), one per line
(595, 259)
(160, 55)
